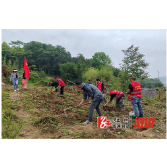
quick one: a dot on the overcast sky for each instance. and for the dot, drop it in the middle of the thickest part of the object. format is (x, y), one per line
(152, 43)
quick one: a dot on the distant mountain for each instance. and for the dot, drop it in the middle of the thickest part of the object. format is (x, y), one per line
(163, 79)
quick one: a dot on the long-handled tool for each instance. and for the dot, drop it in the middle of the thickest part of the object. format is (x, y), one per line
(71, 81)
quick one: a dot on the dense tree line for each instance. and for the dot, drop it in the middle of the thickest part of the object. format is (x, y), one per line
(56, 61)
(151, 83)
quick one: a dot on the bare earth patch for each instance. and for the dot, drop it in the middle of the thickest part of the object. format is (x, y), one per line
(42, 115)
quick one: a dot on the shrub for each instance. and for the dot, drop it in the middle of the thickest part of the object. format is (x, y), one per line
(34, 76)
(42, 74)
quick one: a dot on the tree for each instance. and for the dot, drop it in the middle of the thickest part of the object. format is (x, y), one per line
(82, 64)
(100, 59)
(133, 64)
(116, 71)
(91, 74)
(6, 53)
(150, 83)
(68, 71)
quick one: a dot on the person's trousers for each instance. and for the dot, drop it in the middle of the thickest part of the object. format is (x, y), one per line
(120, 101)
(62, 90)
(25, 84)
(15, 83)
(136, 104)
(56, 88)
(95, 105)
(104, 99)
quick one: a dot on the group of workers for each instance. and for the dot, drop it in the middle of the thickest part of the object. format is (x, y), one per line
(96, 93)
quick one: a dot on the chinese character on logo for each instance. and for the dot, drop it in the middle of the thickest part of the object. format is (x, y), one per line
(115, 119)
(118, 125)
(103, 122)
(123, 126)
(126, 119)
(114, 126)
(143, 121)
(128, 126)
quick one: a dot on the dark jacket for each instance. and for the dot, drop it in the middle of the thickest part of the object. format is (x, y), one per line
(102, 87)
(90, 90)
(55, 84)
(13, 75)
(24, 75)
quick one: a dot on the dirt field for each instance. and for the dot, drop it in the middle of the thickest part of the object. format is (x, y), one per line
(41, 115)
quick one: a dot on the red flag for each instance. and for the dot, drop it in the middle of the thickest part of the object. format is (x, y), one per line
(26, 69)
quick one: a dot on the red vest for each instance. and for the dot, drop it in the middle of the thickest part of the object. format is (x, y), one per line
(118, 93)
(136, 93)
(99, 85)
(61, 82)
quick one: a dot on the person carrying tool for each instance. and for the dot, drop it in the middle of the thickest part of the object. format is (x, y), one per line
(100, 86)
(96, 96)
(61, 84)
(119, 98)
(134, 94)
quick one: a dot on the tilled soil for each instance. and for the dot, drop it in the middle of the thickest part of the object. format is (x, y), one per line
(42, 114)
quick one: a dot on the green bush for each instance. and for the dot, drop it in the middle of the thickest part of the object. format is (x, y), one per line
(42, 74)
(34, 77)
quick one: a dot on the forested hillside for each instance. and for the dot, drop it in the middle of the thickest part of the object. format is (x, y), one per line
(47, 59)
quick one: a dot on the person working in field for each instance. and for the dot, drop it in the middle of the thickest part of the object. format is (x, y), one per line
(134, 94)
(96, 99)
(119, 98)
(61, 84)
(54, 84)
(100, 86)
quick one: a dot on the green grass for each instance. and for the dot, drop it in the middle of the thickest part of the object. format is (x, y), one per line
(148, 99)
(11, 124)
(66, 132)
